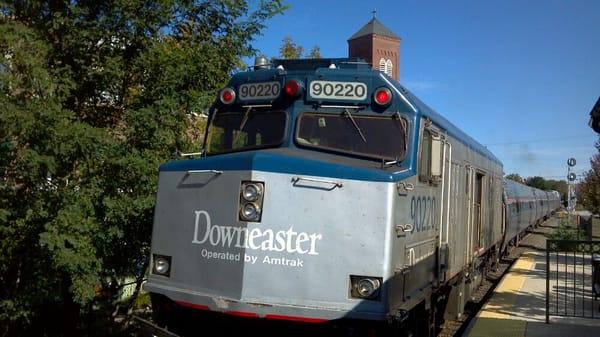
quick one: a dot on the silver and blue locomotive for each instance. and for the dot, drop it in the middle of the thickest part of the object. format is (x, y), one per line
(326, 191)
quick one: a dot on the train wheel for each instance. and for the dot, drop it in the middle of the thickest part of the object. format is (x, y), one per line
(423, 321)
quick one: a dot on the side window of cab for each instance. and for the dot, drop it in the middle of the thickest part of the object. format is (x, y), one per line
(425, 156)
(430, 157)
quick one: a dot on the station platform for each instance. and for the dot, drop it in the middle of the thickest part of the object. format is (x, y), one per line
(518, 306)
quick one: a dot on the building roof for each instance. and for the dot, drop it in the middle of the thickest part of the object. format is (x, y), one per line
(374, 27)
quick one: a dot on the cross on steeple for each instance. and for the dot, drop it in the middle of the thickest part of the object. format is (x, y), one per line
(374, 12)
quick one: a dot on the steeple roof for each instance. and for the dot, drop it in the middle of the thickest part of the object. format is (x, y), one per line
(374, 27)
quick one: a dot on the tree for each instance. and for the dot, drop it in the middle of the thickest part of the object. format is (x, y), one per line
(515, 177)
(541, 183)
(589, 188)
(289, 49)
(558, 185)
(315, 53)
(537, 182)
(94, 96)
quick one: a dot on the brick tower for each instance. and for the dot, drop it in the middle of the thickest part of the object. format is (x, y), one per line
(377, 45)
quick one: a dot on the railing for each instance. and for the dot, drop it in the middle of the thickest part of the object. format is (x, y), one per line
(572, 278)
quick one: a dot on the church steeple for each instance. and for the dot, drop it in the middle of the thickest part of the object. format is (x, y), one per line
(377, 45)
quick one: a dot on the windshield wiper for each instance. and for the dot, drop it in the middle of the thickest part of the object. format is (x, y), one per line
(349, 114)
(244, 121)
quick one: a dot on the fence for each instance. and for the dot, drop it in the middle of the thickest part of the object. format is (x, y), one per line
(572, 278)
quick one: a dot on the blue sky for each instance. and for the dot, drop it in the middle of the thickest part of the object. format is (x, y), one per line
(518, 76)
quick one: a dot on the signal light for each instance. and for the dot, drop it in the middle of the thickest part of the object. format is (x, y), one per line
(382, 96)
(227, 96)
(292, 88)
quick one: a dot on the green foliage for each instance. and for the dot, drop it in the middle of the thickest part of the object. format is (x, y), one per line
(315, 53)
(548, 185)
(289, 49)
(142, 302)
(589, 189)
(94, 96)
(565, 231)
(537, 182)
(515, 177)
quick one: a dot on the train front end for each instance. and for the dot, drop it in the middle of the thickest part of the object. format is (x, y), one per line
(289, 215)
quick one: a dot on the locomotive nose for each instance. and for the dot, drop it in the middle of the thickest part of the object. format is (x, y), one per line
(233, 228)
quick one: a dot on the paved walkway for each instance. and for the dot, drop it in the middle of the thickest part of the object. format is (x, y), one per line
(518, 305)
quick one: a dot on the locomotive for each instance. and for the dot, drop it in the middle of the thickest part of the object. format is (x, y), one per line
(327, 192)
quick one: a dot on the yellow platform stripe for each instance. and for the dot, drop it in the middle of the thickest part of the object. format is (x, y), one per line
(507, 292)
(494, 319)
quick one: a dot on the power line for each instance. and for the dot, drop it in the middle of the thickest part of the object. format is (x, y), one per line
(542, 140)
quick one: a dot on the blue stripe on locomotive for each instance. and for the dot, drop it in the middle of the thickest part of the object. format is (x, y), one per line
(274, 162)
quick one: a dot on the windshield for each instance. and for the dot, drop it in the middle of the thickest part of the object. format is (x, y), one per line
(371, 136)
(245, 130)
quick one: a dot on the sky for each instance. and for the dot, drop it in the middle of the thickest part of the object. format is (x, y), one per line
(520, 77)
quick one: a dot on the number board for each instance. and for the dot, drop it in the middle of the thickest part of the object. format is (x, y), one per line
(259, 91)
(347, 91)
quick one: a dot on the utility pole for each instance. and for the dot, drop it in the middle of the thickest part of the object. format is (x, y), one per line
(571, 162)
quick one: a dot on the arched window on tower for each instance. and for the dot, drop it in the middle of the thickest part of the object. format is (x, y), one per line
(383, 65)
(389, 67)
(386, 66)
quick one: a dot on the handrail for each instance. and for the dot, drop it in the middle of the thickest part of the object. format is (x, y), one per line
(335, 184)
(204, 171)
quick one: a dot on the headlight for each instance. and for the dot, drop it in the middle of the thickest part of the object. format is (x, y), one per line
(251, 192)
(250, 212)
(162, 265)
(365, 287)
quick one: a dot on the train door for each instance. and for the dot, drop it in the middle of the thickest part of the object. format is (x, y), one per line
(477, 211)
